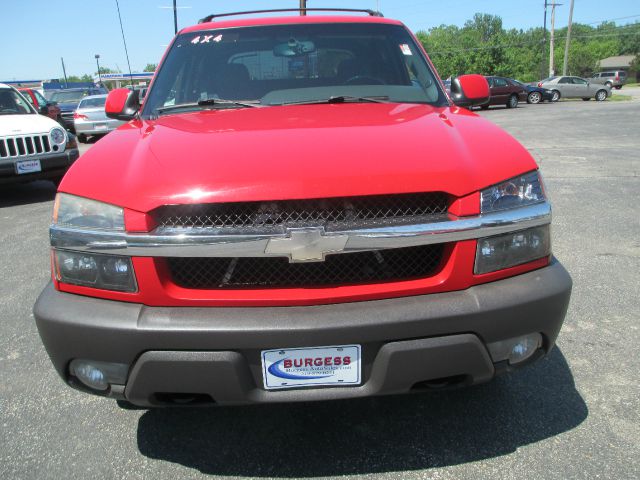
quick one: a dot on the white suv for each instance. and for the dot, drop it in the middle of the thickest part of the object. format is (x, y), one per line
(32, 146)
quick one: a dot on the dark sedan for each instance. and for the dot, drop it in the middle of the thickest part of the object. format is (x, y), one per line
(535, 94)
(505, 92)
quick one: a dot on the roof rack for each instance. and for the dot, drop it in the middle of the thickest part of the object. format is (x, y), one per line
(372, 13)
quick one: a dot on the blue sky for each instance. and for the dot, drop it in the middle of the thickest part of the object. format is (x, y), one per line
(34, 34)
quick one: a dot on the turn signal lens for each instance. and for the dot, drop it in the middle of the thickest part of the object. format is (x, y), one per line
(108, 272)
(511, 249)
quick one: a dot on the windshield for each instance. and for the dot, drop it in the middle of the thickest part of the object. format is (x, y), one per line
(12, 103)
(92, 102)
(281, 64)
(68, 97)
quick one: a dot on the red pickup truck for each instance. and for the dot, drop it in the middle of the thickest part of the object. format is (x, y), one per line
(299, 212)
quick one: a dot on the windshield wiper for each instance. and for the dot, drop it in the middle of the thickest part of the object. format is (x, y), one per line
(340, 99)
(210, 102)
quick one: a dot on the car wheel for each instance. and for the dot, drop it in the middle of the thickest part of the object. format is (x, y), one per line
(82, 138)
(534, 97)
(601, 95)
(586, 99)
(512, 102)
(555, 95)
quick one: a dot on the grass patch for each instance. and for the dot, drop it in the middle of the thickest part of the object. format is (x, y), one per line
(616, 97)
(631, 85)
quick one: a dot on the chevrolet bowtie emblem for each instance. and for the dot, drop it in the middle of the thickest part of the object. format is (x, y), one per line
(306, 244)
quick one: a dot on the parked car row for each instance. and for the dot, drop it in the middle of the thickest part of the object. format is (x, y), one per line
(509, 92)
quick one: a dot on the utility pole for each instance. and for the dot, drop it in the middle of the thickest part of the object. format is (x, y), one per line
(553, 18)
(568, 39)
(303, 7)
(543, 64)
(64, 72)
(175, 18)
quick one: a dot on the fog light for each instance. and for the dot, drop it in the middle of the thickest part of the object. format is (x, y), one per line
(515, 350)
(99, 375)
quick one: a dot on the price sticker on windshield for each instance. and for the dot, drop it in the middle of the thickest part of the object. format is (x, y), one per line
(405, 49)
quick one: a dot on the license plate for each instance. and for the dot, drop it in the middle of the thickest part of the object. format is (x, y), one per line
(28, 166)
(311, 367)
(100, 126)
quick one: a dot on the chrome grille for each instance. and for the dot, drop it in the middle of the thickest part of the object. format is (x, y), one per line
(328, 212)
(22, 146)
(369, 267)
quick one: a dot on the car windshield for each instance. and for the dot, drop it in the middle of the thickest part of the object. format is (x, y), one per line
(92, 102)
(12, 103)
(68, 97)
(285, 64)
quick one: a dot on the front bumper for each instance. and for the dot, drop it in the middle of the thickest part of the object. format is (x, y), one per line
(215, 352)
(54, 165)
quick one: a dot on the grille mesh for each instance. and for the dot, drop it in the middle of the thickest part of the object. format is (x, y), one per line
(330, 212)
(339, 269)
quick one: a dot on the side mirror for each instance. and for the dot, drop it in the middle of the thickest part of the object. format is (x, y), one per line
(122, 104)
(470, 90)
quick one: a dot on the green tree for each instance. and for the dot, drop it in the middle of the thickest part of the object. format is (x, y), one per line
(151, 67)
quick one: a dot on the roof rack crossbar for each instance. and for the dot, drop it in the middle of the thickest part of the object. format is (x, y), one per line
(372, 13)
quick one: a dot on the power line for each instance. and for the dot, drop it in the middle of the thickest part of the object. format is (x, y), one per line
(125, 45)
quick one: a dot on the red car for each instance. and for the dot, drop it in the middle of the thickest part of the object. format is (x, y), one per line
(505, 91)
(298, 212)
(35, 98)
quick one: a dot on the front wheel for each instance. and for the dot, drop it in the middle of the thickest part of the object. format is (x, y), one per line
(534, 97)
(512, 102)
(555, 96)
(601, 95)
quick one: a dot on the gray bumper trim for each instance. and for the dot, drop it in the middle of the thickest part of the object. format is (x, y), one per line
(73, 326)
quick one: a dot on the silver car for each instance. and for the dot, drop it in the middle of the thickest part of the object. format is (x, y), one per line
(90, 119)
(575, 87)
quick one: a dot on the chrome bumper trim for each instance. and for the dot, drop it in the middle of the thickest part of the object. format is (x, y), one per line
(203, 243)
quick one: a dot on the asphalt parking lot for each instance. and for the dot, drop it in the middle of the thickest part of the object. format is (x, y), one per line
(575, 414)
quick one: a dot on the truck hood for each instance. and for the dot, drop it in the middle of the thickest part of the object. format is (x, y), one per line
(27, 124)
(290, 152)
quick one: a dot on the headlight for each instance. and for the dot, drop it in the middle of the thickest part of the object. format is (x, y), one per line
(109, 272)
(511, 249)
(57, 136)
(72, 143)
(516, 192)
(80, 212)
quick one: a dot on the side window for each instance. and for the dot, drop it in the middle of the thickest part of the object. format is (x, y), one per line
(565, 80)
(595, 75)
(41, 100)
(607, 74)
(28, 97)
(500, 82)
(579, 81)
